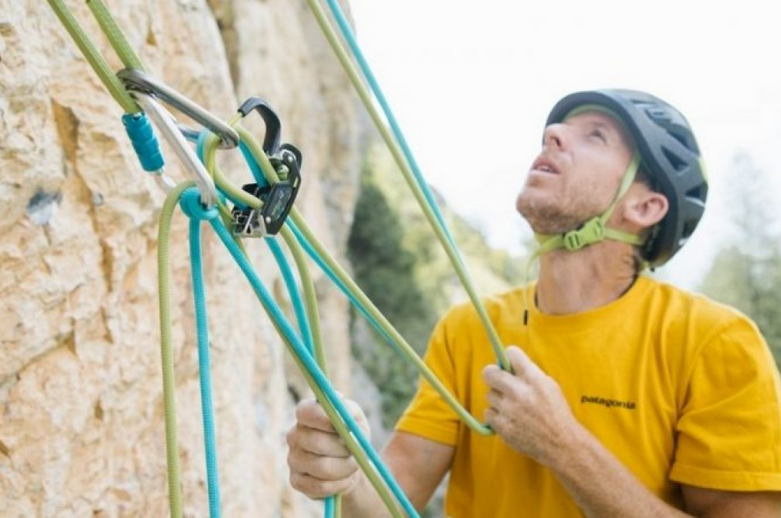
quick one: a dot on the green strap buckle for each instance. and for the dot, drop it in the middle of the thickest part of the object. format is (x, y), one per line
(593, 231)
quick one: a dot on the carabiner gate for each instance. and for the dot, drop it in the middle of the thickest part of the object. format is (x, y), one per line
(138, 81)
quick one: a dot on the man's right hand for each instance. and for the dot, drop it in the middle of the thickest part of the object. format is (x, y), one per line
(320, 463)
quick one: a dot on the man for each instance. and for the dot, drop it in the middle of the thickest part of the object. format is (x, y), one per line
(628, 397)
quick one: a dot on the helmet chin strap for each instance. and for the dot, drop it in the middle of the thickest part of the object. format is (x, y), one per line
(591, 232)
(595, 230)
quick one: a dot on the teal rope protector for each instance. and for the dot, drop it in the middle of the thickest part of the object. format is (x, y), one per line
(142, 135)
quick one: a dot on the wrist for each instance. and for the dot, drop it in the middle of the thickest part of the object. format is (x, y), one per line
(359, 499)
(567, 447)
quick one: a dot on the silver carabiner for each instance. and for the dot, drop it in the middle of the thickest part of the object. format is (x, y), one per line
(170, 131)
(138, 81)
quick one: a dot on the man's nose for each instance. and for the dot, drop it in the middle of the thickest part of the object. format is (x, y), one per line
(554, 136)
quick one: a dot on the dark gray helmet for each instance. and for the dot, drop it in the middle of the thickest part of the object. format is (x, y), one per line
(668, 153)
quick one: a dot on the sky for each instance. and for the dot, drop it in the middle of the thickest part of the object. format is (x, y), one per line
(471, 84)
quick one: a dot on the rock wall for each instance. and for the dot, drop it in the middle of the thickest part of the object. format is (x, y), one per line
(81, 415)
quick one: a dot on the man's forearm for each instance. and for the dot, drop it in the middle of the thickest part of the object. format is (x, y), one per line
(601, 485)
(417, 463)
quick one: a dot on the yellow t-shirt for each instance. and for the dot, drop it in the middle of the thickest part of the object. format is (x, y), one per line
(680, 389)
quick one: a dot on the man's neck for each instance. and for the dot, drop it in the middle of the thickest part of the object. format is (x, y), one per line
(573, 282)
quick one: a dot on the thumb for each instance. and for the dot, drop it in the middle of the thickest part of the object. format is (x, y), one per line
(522, 365)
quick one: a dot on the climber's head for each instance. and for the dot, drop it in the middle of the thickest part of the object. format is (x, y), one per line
(624, 164)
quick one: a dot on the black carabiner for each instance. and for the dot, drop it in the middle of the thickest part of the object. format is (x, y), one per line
(278, 198)
(270, 118)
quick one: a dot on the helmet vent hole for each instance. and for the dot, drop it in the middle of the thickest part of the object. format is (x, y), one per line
(684, 138)
(698, 193)
(688, 230)
(675, 161)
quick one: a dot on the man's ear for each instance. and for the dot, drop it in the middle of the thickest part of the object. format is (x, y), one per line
(644, 208)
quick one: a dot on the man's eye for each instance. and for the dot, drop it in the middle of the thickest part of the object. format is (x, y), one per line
(598, 134)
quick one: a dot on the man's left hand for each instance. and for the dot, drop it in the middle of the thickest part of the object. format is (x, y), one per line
(527, 408)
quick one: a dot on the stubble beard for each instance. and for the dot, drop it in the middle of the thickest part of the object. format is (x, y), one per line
(553, 216)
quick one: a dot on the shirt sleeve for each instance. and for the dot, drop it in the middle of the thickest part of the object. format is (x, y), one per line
(429, 415)
(729, 429)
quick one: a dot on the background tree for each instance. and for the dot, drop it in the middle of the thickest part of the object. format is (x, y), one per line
(399, 264)
(385, 270)
(747, 272)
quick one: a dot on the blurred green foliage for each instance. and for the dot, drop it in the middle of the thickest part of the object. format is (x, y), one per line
(746, 273)
(384, 269)
(401, 266)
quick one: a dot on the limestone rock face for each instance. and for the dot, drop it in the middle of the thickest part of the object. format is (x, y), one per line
(81, 412)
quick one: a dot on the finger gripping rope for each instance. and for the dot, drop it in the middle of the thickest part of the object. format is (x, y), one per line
(193, 208)
(144, 140)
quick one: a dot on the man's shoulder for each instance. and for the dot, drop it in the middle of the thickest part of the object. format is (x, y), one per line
(686, 298)
(674, 305)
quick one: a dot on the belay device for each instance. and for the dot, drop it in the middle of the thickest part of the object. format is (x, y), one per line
(278, 198)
